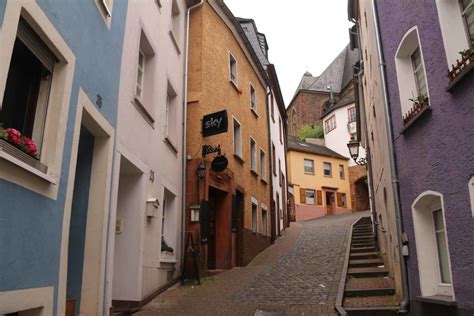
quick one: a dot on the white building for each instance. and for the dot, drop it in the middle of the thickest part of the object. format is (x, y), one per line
(278, 130)
(145, 238)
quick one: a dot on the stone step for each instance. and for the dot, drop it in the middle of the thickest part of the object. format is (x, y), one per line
(360, 226)
(360, 239)
(362, 245)
(374, 301)
(367, 272)
(365, 255)
(362, 249)
(361, 288)
(365, 263)
(372, 311)
(362, 235)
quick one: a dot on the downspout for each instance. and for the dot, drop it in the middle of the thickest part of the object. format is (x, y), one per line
(404, 305)
(183, 144)
(275, 220)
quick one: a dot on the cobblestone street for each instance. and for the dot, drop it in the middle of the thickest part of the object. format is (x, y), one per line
(298, 275)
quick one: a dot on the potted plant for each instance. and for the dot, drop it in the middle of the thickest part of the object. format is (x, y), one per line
(467, 53)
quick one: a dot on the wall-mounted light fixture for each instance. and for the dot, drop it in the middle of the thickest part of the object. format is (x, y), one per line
(201, 170)
(353, 146)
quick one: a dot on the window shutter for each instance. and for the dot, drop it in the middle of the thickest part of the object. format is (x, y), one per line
(26, 34)
(320, 197)
(302, 196)
(339, 199)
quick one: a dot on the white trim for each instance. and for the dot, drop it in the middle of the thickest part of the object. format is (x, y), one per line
(235, 81)
(422, 208)
(98, 210)
(252, 156)
(234, 119)
(33, 298)
(471, 194)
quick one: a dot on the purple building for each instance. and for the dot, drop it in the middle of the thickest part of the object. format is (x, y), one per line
(427, 47)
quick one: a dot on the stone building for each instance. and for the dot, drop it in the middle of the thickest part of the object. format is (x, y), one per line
(59, 86)
(227, 212)
(422, 57)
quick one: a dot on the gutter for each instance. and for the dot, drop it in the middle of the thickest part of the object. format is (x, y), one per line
(183, 145)
(404, 305)
(275, 220)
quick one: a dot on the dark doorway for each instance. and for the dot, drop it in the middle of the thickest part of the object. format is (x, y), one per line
(216, 199)
(240, 228)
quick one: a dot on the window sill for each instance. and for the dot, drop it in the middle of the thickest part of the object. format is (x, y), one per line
(264, 180)
(171, 145)
(239, 159)
(141, 108)
(327, 176)
(463, 73)
(254, 172)
(309, 173)
(175, 42)
(424, 110)
(254, 111)
(437, 299)
(234, 84)
(27, 167)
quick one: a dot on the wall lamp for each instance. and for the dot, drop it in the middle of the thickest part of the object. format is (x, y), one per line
(353, 146)
(201, 171)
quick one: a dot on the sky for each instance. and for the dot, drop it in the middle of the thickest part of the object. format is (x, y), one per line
(302, 35)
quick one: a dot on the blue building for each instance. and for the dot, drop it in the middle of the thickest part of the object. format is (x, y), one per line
(59, 81)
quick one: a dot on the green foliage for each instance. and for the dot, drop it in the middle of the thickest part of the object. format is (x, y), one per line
(467, 53)
(311, 131)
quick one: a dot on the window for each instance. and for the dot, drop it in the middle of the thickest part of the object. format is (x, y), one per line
(309, 166)
(456, 19)
(263, 165)
(253, 99)
(309, 195)
(327, 169)
(237, 139)
(410, 70)
(233, 68)
(105, 9)
(144, 86)
(272, 107)
(253, 155)
(27, 91)
(280, 173)
(254, 215)
(341, 172)
(468, 15)
(352, 114)
(280, 125)
(264, 219)
(274, 159)
(432, 246)
(441, 244)
(175, 31)
(471, 194)
(330, 124)
(343, 200)
(171, 128)
(168, 219)
(418, 72)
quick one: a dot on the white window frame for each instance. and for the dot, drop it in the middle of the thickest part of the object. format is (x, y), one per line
(417, 71)
(344, 200)
(264, 219)
(405, 77)
(330, 124)
(253, 98)
(171, 131)
(441, 285)
(306, 191)
(253, 155)
(471, 194)
(342, 172)
(324, 169)
(105, 9)
(254, 215)
(304, 166)
(452, 24)
(233, 69)
(237, 142)
(175, 25)
(139, 91)
(351, 114)
(263, 165)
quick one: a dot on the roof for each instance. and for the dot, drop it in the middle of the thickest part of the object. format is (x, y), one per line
(256, 39)
(295, 144)
(346, 100)
(337, 75)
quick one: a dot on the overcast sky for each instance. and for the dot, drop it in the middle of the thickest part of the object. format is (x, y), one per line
(301, 34)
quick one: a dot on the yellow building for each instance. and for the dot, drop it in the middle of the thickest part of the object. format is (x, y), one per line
(320, 180)
(234, 205)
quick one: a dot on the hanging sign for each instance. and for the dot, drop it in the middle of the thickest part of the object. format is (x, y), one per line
(219, 163)
(214, 123)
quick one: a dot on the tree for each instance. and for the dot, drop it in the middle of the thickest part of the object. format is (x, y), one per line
(311, 131)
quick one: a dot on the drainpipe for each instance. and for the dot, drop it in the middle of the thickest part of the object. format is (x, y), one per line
(404, 305)
(276, 220)
(183, 144)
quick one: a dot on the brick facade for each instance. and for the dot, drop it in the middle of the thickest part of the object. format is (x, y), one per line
(308, 107)
(359, 188)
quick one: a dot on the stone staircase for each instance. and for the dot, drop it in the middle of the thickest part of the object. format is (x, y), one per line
(368, 291)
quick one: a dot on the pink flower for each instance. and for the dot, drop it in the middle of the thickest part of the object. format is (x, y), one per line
(29, 145)
(14, 136)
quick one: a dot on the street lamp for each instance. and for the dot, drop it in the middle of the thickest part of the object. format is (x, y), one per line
(201, 171)
(353, 146)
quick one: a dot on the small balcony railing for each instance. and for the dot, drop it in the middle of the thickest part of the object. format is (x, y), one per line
(461, 68)
(420, 105)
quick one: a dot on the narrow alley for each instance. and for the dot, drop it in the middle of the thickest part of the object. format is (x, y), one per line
(298, 275)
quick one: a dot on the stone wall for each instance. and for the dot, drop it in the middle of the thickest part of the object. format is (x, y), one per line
(359, 188)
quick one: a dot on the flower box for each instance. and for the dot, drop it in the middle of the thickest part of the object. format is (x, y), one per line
(462, 67)
(16, 152)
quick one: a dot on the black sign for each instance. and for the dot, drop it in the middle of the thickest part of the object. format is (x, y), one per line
(219, 164)
(215, 123)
